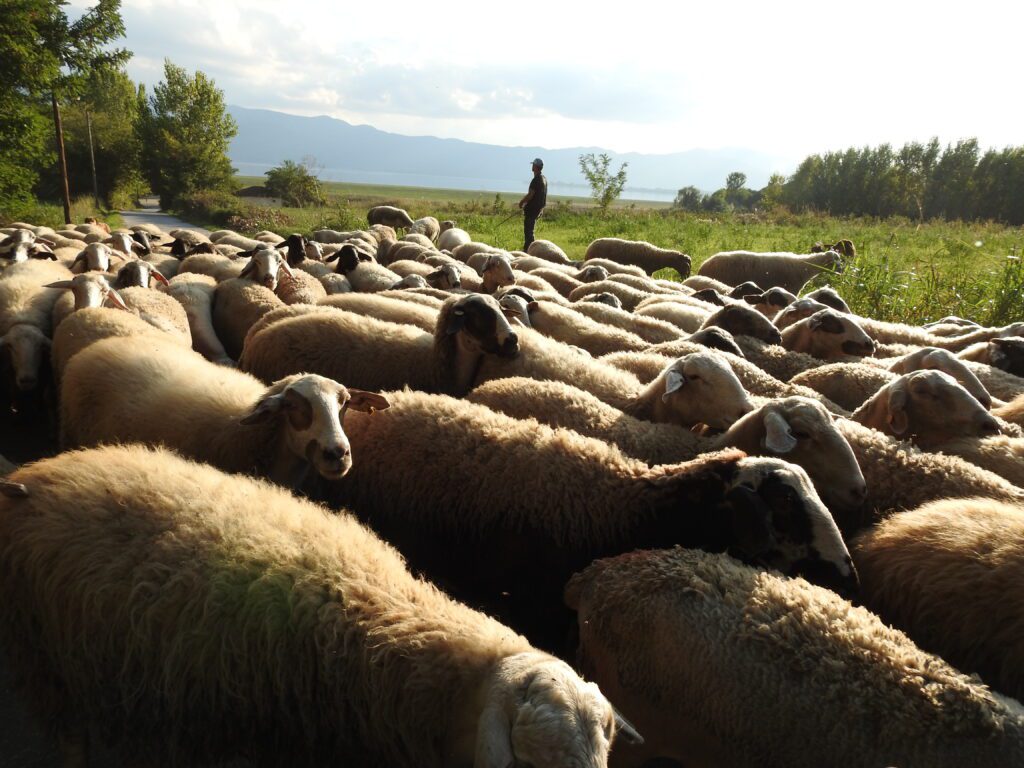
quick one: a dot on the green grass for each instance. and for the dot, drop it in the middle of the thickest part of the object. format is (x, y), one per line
(902, 272)
(52, 214)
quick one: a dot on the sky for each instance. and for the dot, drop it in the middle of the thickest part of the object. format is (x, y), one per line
(786, 78)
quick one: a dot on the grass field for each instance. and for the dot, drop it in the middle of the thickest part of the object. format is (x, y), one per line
(903, 272)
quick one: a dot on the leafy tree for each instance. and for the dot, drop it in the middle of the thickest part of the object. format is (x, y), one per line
(735, 181)
(294, 184)
(772, 195)
(45, 57)
(605, 187)
(185, 132)
(688, 198)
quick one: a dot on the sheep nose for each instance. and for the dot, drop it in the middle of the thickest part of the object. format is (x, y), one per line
(990, 427)
(510, 346)
(337, 453)
(858, 494)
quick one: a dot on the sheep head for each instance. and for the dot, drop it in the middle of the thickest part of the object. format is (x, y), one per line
(829, 335)
(717, 338)
(95, 257)
(91, 290)
(609, 299)
(446, 277)
(739, 319)
(929, 407)
(517, 309)
(264, 265)
(700, 388)
(313, 410)
(137, 274)
(496, 272)
(770, 302)
(26, 347)
(467, 328)
(1007, 354)
(933, 358)
(538, 712)
(797, 311)
(830, 298)
(592, 274)
(802, 431)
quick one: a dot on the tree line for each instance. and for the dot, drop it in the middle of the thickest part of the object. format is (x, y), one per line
(57, 73)
(918, 181)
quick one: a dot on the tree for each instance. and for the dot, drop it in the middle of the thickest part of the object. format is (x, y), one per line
(771, 195)
(605, 187)
(185, 131)
(689, 199)
(735, 181)
(294, 183)
(46, 58)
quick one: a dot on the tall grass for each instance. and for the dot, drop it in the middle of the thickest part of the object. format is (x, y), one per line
(52, 214)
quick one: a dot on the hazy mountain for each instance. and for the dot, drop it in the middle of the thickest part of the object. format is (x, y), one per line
(360, 153)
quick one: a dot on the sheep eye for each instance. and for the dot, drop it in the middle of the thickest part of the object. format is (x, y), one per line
(801, 435)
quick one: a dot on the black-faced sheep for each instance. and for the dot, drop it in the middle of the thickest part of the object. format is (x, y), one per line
(364, 274)
(741, 320)
(948, 575)
(193, 617)
(574, 499)
(739, 667)
(110, 392)
(373, 354)
(784, 270)
(1004, 353)
(648, 257)
(828, 296)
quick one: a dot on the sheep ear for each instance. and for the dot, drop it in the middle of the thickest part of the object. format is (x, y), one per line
(756, 298)
(287, 269)
(367, 401)
(248, 269)
(493, 738)
(264, 410)
(158, 277)
(828, 323)
(13, 490)
(115, 298)
(625, 730)
(778, 438)
(332, 257)
(674, 381)
(66, 284)
(749, 518)
(897, 417)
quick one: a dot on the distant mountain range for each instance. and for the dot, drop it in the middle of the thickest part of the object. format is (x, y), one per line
(360, 153)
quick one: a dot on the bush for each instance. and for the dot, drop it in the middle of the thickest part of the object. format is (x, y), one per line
(212, 205)
(294, 184)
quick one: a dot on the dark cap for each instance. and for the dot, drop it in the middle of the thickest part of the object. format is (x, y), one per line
(538, 162)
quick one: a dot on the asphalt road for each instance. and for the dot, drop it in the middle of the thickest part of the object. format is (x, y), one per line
(153, 215)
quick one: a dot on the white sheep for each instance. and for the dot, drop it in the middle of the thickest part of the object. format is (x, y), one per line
(195, 294)
(495, 270)
(389, 216)
(452, 238)
(685, 317)
(387, 308)
(201, 616)
(427, 226)
(947, 574)
(571, 327)
(237, 304)
(649, 329)
(797, 311)
(630, 297)
(776, 269)
(547, 250)
(649, 257)
(739, 667)
(110, 392)
(26, 307)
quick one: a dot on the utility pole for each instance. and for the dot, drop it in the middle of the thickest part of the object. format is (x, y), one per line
(62, 157)
(92, 162)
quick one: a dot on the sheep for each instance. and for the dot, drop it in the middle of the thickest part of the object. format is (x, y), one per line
(406, 251)
(700, 283)
(364, 275)
(784, 270)
(532, 282)
(1013, 411)
(845, 384)
(385, 308)
(452, 238)
(138, 274)
(1005, 353)
(947, 574)
(126, 244)
(686, 317)
(90, 289)
(545, 249)
(357, 660)
(736, 666)
(898, 333)
(630, 297)
(827, 335)
(608, 299)
(414, 297)
(300, 288)
(716, 338)
(95, 257)
(195, 294)
(91, 324)
(649, 257)
(375, 355)
(569, 326)
(560, 281)
(418, 239)
(611, 267)
(159, 310)
(929, 407)
(109, 392)
(389, 216)
(574, 499)
(769, 303)
(797, 311)
(428, 226)
(647, 328)
(237, 304)
(943, 360)
(495, 269)
(26, 306)
(236, 240)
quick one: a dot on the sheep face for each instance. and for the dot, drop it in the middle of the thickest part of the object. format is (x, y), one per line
(538, 712)
(497, 272)
(740, 319)
(90, 290)
(313, 410)
(802, 431)
(143, 241)
(928, 406)
(829, 335)
(711, 296)
(702, 388)
(297, 249)
(446, 277)
(263, 267)
(480, 327)
(797, 311)
(771, 302)
(830, 298)
(26, 347)
(348, 258)
(604, 298)
(592, 274)
(137, 274)
(410, 281)
(745, 289)
(933, 358)
(780, 522)
(1007, 354)
(516, 309)
(95, 257)
(717, 338)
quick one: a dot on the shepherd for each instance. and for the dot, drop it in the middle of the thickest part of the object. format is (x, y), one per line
(533, 202)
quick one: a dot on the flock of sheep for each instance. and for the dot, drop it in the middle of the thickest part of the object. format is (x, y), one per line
(397, 497)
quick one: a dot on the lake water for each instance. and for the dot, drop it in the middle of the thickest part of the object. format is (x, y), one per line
(460, 182)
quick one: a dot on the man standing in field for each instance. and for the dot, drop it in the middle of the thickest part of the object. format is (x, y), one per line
(534, 201)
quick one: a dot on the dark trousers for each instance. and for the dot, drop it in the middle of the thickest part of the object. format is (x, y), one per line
(529, 222)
